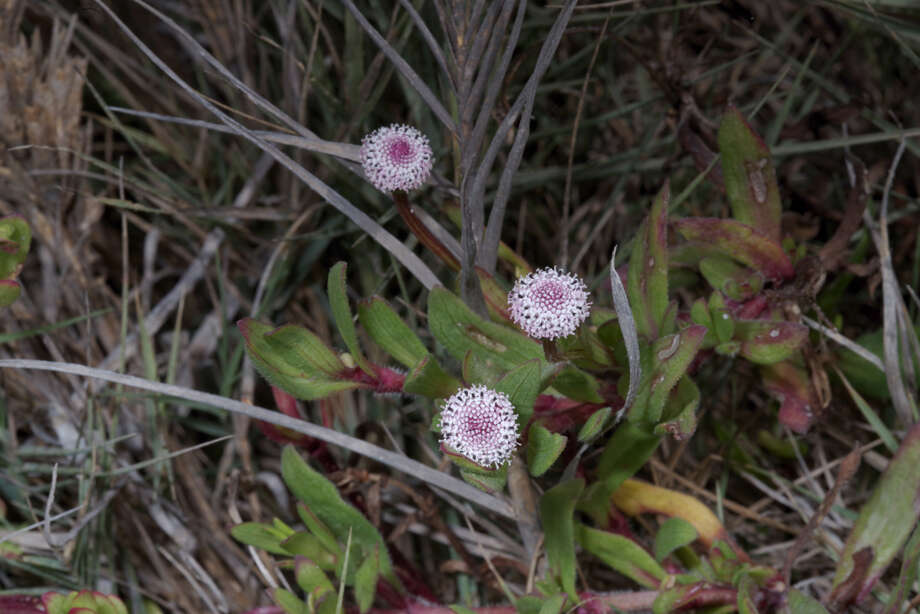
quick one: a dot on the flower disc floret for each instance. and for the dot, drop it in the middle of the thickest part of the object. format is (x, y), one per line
(396, 157)
(548, 303)
(481, 425)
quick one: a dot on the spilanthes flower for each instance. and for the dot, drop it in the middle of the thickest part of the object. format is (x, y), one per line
(548, 303)
(396, 157)
(481, 425)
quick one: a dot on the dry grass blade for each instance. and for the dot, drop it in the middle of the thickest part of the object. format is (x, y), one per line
(522, 109)
(630, 334)
(346, 151)
(358, 446)
(404, 69)
(891, 303)
(399, 251)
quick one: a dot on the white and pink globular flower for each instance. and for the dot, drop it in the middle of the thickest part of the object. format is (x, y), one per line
(480, 424)
(549, 304)
(396, 157)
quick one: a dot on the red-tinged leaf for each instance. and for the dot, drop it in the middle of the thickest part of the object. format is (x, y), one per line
(737, 282)
(21, 604)
(689, 597)
(740, 241)
(792, 387)
(766, 342)
(749, 175)
(647, 283)
(421, 231)
(884, 524)
(285, 403)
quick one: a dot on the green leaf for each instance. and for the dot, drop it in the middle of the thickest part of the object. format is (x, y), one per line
(294, 359)
(557, 509)
(305, 544)
(9, 292)
(625, 453)
(341, 313)
(319, 530)
(260, 535)
(739, 241)
(15, 239)
(312, 580)
(884, 524)
(460, 330)
(910, 563)
(594, 424)
(647, 282)
(528, 604)
(366, 581)
(735, 281)
(750, 178)
(553, 605)
(488, 481)
(289, 602)
(390, 332)
(323, 499)
(722, 321)
(679, 416)
(429, 379)
(521, 384)
(767, 342)
(800, 603)
(623, 555)
(674, 533)
(543, 448)
(745, 602)
(461, 609)
(576, 384)
(672, 356)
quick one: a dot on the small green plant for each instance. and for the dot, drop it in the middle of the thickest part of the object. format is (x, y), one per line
(337, 540)
(15, 238)
(75, 602)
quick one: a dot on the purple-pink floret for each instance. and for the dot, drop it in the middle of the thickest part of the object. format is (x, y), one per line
(549, 304)
(396, 157)
(481, 425)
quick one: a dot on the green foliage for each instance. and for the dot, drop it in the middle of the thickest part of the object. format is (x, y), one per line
(884, 524)
(622, 555)
(331, 523)
(557, 508)
(15, 239)
(674, 533)
(84, 602)
(543, 448)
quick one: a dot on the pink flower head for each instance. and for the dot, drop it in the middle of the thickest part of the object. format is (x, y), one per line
(480, 424)
(396, 157)
(548, 304)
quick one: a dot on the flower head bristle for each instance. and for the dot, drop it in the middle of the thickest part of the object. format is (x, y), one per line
(549, 304)
(396, 157)
(481, 425)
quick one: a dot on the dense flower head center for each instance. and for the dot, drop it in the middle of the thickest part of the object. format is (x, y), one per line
(481, 425)
(548, 303)
(400, 152)
(396, 157)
